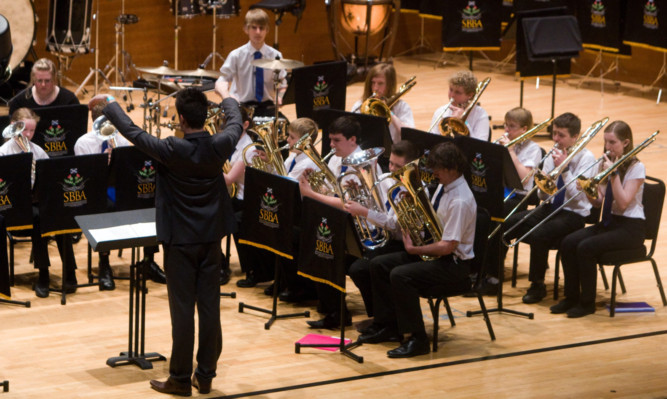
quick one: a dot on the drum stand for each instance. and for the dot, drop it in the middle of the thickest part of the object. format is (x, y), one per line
(121, 55)
(97, 72)
(212, 56)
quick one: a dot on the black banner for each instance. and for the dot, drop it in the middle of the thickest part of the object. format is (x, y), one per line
(601, 24)
(70, 186)
(270, 207)
(472, 25)
(59, 128)
(5, 290)
(15, 191)
(645, 23)
(320, 86)
(325, 235)
(132, 174)
(410, 6)
(524, 65)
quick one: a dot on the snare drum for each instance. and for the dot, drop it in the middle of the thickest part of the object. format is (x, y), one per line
(187, 8)
(223, 8)
(22, 24)
(69, 26)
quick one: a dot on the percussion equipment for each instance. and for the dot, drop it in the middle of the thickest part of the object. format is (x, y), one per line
(187, 8)
(379, 107)
(69, 26)
(276, 64)
(355, 15)
(23, 25)
(163, 70)
(223, 8)
(201, 73)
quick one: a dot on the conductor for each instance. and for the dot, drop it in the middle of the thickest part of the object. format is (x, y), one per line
(193, 213)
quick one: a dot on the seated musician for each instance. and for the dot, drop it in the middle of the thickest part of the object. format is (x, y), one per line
(252, 85)
(39, 244)
(399, 277)
(526, 157)
(462, 88)
(570, 218)
(93, 143)
(402, 153)
(42, 90)
(622, 225)
(381, 83)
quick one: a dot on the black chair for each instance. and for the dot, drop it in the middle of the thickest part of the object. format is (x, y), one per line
(279, 8)
(653, 199)
(438, 294)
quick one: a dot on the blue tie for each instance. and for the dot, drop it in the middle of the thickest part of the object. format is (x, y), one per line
(343, 169)
(292, 165)
(606, 208)
(393, 197)
(560, 197)
(105, 145)
(437, 198)
(259, 79)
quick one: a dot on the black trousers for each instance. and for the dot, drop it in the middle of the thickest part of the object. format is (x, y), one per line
(581, 249)
(399, 277)
(496, 252)
(193, 278)
(40, 251)
(545, 237)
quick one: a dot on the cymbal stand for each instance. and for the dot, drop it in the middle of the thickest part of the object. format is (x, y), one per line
(212, 56)
(97, 72)
(421, 42)
(122, 56)
(176, 29)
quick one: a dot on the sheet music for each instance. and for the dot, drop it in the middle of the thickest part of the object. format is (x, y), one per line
(128, 231)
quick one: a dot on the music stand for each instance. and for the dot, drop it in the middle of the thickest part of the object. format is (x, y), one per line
(67, 187)
(59, 128)
(327, 235)
(127, 229)
(269, 214)
(319, 86)
(374, 129)
(5, 289)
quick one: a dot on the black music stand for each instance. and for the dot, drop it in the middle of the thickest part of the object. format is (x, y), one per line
(59, 128)
(116, 230)
(270, 211)
(424, 141)
(374, 129)
(67, 187)
(319, 86)
(327, 235)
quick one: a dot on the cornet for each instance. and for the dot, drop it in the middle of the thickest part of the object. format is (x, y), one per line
(105, 130)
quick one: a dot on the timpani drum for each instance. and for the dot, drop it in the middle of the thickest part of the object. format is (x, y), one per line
(187, 8)
(69, 26)
(22, 23)
(223, 8)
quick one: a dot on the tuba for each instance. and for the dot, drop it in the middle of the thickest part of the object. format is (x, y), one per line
(364, 165)
(452, 126)
(105, 130)
(378, 107)
(269, 144)
(413, 209)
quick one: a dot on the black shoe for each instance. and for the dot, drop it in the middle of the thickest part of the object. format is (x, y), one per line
(385, 334)
(536, 293)
(156, 274)
(563, 306)
(71, 283)
(225, 275)
(268, 291)
(412, 347)
(172, 387)
(331, 321)
(372, 328)
(42, 289)
(106, 278)
(202, 385)
(580, 311)
(249, 281)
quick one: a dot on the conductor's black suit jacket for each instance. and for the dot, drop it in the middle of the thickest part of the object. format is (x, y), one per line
(191, 201)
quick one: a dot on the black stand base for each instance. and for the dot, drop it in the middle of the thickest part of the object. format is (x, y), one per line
(11, 302)
(143, 361)
(274, 310)
(5, 386)
(229, 294)
(344, 349)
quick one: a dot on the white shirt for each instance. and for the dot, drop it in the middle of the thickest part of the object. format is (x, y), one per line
(581, 164)
(530, 155)
(387, 218)
(477, 121)
(91, 143)
(11, 147)
(302, 163)
(635, 209)
(237, 156)
(457, 211)
(238, 70)
(402, 110)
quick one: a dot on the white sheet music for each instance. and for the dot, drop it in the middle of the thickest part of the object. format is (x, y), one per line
(128, 231)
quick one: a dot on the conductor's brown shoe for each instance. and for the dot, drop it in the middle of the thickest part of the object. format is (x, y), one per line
(172, 387)
(203, 386)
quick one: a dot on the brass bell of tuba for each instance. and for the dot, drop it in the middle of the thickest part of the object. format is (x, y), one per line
(452, 126)
(378, 107)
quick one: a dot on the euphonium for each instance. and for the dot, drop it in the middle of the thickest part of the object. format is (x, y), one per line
(274, 163)
(105, 130)
(14, 131)
(378, 107)
(233, 187)
(590, 186)
(413, 209)
(364, 165)
(322, 180)
(215, 116)
(452, 126)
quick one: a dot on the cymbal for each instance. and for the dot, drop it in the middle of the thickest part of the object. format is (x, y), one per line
(276, 64)
(201, 73)
(162, 70)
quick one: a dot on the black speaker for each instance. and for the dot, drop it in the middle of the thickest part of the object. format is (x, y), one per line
(551, 38)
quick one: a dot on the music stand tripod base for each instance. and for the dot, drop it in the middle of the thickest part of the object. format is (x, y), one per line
(12, 302)
(143, 361)
(5, 386)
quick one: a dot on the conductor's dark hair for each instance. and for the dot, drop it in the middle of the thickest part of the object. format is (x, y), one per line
(192, 105)
(447, 156)
(347, 126)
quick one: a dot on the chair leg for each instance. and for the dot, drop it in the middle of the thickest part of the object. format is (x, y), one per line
(612, 305)
(515, 264)
(11, 261)
(659, 282)
(620, 280)
(556, 275)
(449, 311)
(436, 316)
(604, 277)
(486, 316)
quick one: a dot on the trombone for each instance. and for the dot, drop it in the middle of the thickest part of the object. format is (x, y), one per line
(376, 106)
(436, 120)
(452, 126)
